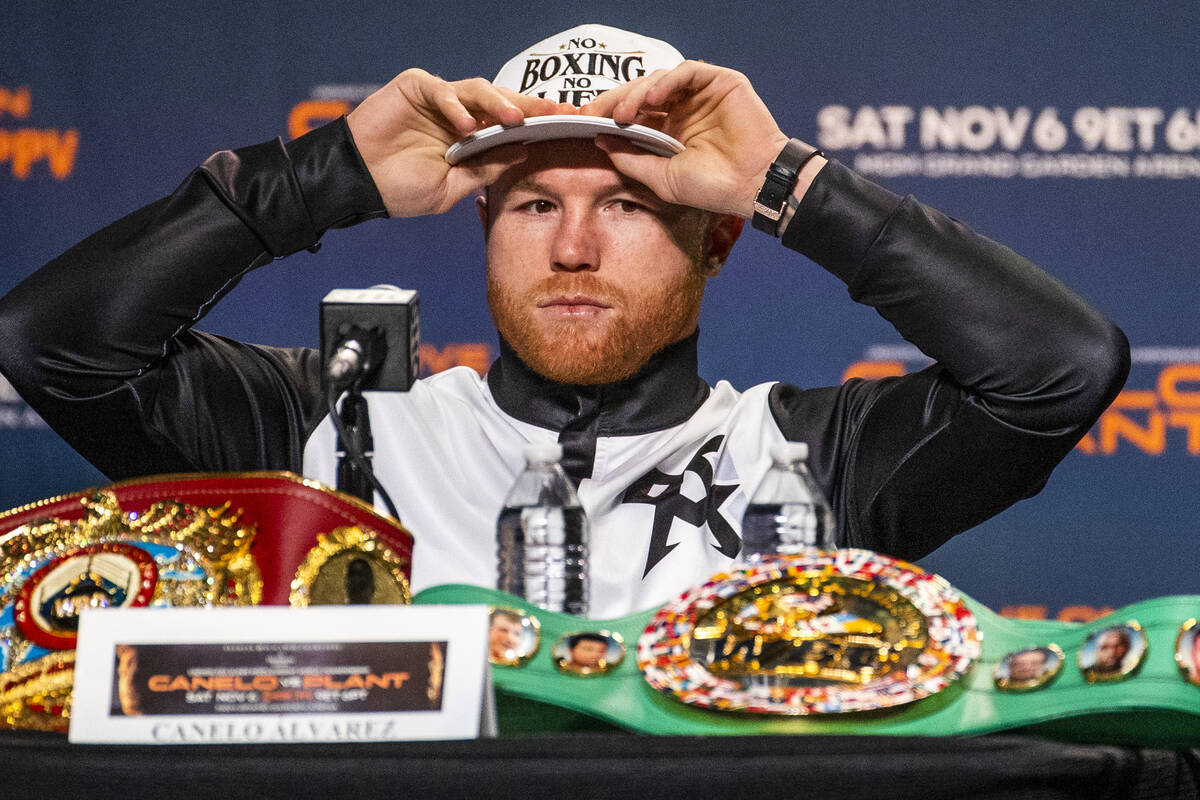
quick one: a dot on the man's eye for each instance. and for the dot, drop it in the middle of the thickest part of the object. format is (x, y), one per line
(629, 206)
(539, 206)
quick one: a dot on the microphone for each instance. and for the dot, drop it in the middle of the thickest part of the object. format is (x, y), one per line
(356, 358)
(370, 338)
(369, 341)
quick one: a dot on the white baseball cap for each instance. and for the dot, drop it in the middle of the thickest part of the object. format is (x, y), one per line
(573, 67)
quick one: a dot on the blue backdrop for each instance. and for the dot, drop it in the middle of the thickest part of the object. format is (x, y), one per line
(1071, 133)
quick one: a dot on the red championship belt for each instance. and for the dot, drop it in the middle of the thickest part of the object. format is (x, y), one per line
(176, 540)
(288, 512)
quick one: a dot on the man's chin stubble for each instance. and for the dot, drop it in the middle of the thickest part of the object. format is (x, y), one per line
(596, 351)
(577, 353)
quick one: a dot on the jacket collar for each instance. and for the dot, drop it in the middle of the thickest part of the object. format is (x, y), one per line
(663, 393)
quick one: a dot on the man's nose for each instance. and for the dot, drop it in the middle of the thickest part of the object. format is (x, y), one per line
(576, 246)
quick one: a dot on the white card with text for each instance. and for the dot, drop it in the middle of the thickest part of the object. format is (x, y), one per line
(274, 674)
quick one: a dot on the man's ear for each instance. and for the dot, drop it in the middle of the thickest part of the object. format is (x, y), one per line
(481, 208)
(723, 231)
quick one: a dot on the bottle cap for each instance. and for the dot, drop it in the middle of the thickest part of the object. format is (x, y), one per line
(543, 452)
(788, 452)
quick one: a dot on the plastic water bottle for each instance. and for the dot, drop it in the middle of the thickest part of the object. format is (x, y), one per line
(787, 513)
(542, 536)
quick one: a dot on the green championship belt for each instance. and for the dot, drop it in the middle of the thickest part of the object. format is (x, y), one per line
(850, 642)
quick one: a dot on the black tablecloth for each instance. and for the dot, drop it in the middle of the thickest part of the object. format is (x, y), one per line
(608, 765)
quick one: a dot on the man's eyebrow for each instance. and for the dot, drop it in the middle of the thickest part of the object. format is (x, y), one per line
(639, 189)
(531, 184)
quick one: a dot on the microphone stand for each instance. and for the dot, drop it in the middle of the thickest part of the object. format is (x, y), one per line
(351, 479)
(353, 356)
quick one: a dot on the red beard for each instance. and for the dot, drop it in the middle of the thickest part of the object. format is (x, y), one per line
(597, 349)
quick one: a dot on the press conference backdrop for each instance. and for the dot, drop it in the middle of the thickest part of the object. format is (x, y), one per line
(1069, 131)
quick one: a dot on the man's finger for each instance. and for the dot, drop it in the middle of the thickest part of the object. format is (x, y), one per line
(641, 165)
(628, 108)
(489, 102)
(433, 98)
(484, 100)
(442, 98)
(688, 77)
(535, 106)
(627, 94)
(602, 104)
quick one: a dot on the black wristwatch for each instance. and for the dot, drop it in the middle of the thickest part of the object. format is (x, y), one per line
(781, 180)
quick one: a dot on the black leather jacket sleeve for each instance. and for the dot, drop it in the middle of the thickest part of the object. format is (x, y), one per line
(99, 341)
(1023, 368)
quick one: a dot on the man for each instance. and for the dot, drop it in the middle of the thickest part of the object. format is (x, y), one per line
(1111, 648)
(504, 636)
(128, 699)
(597, 255)
(1026, 666)
(586, 653)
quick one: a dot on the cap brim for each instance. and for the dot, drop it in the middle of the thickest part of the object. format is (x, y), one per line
(560, 126)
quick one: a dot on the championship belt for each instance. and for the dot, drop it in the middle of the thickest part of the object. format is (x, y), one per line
(847, 642)
(181, 540)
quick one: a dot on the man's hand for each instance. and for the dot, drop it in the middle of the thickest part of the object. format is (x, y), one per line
(403, 130)
(729, 135)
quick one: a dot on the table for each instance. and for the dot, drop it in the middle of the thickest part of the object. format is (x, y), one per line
(587, 764)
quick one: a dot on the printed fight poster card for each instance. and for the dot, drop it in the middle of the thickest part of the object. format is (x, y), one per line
(335, 673)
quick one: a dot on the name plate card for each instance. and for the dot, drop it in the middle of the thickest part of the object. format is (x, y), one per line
(275, 674)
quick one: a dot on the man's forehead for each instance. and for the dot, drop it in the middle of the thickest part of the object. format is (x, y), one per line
(565, 158)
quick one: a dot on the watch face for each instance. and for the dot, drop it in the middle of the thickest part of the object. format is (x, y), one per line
(815, 633)
(513, 636)
(1113, 653)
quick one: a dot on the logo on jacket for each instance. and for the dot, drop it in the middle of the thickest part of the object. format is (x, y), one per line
(664, 492)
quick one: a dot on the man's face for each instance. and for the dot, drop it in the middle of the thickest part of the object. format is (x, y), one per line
(589, 273)
(588, 653)
(1026, 666)
(127, 689)
(1110, 652)
(503, 636)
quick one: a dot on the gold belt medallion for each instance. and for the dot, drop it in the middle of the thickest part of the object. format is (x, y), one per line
(815, 633)
(350, 566)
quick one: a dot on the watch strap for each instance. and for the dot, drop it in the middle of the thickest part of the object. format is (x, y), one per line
(780, 181)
